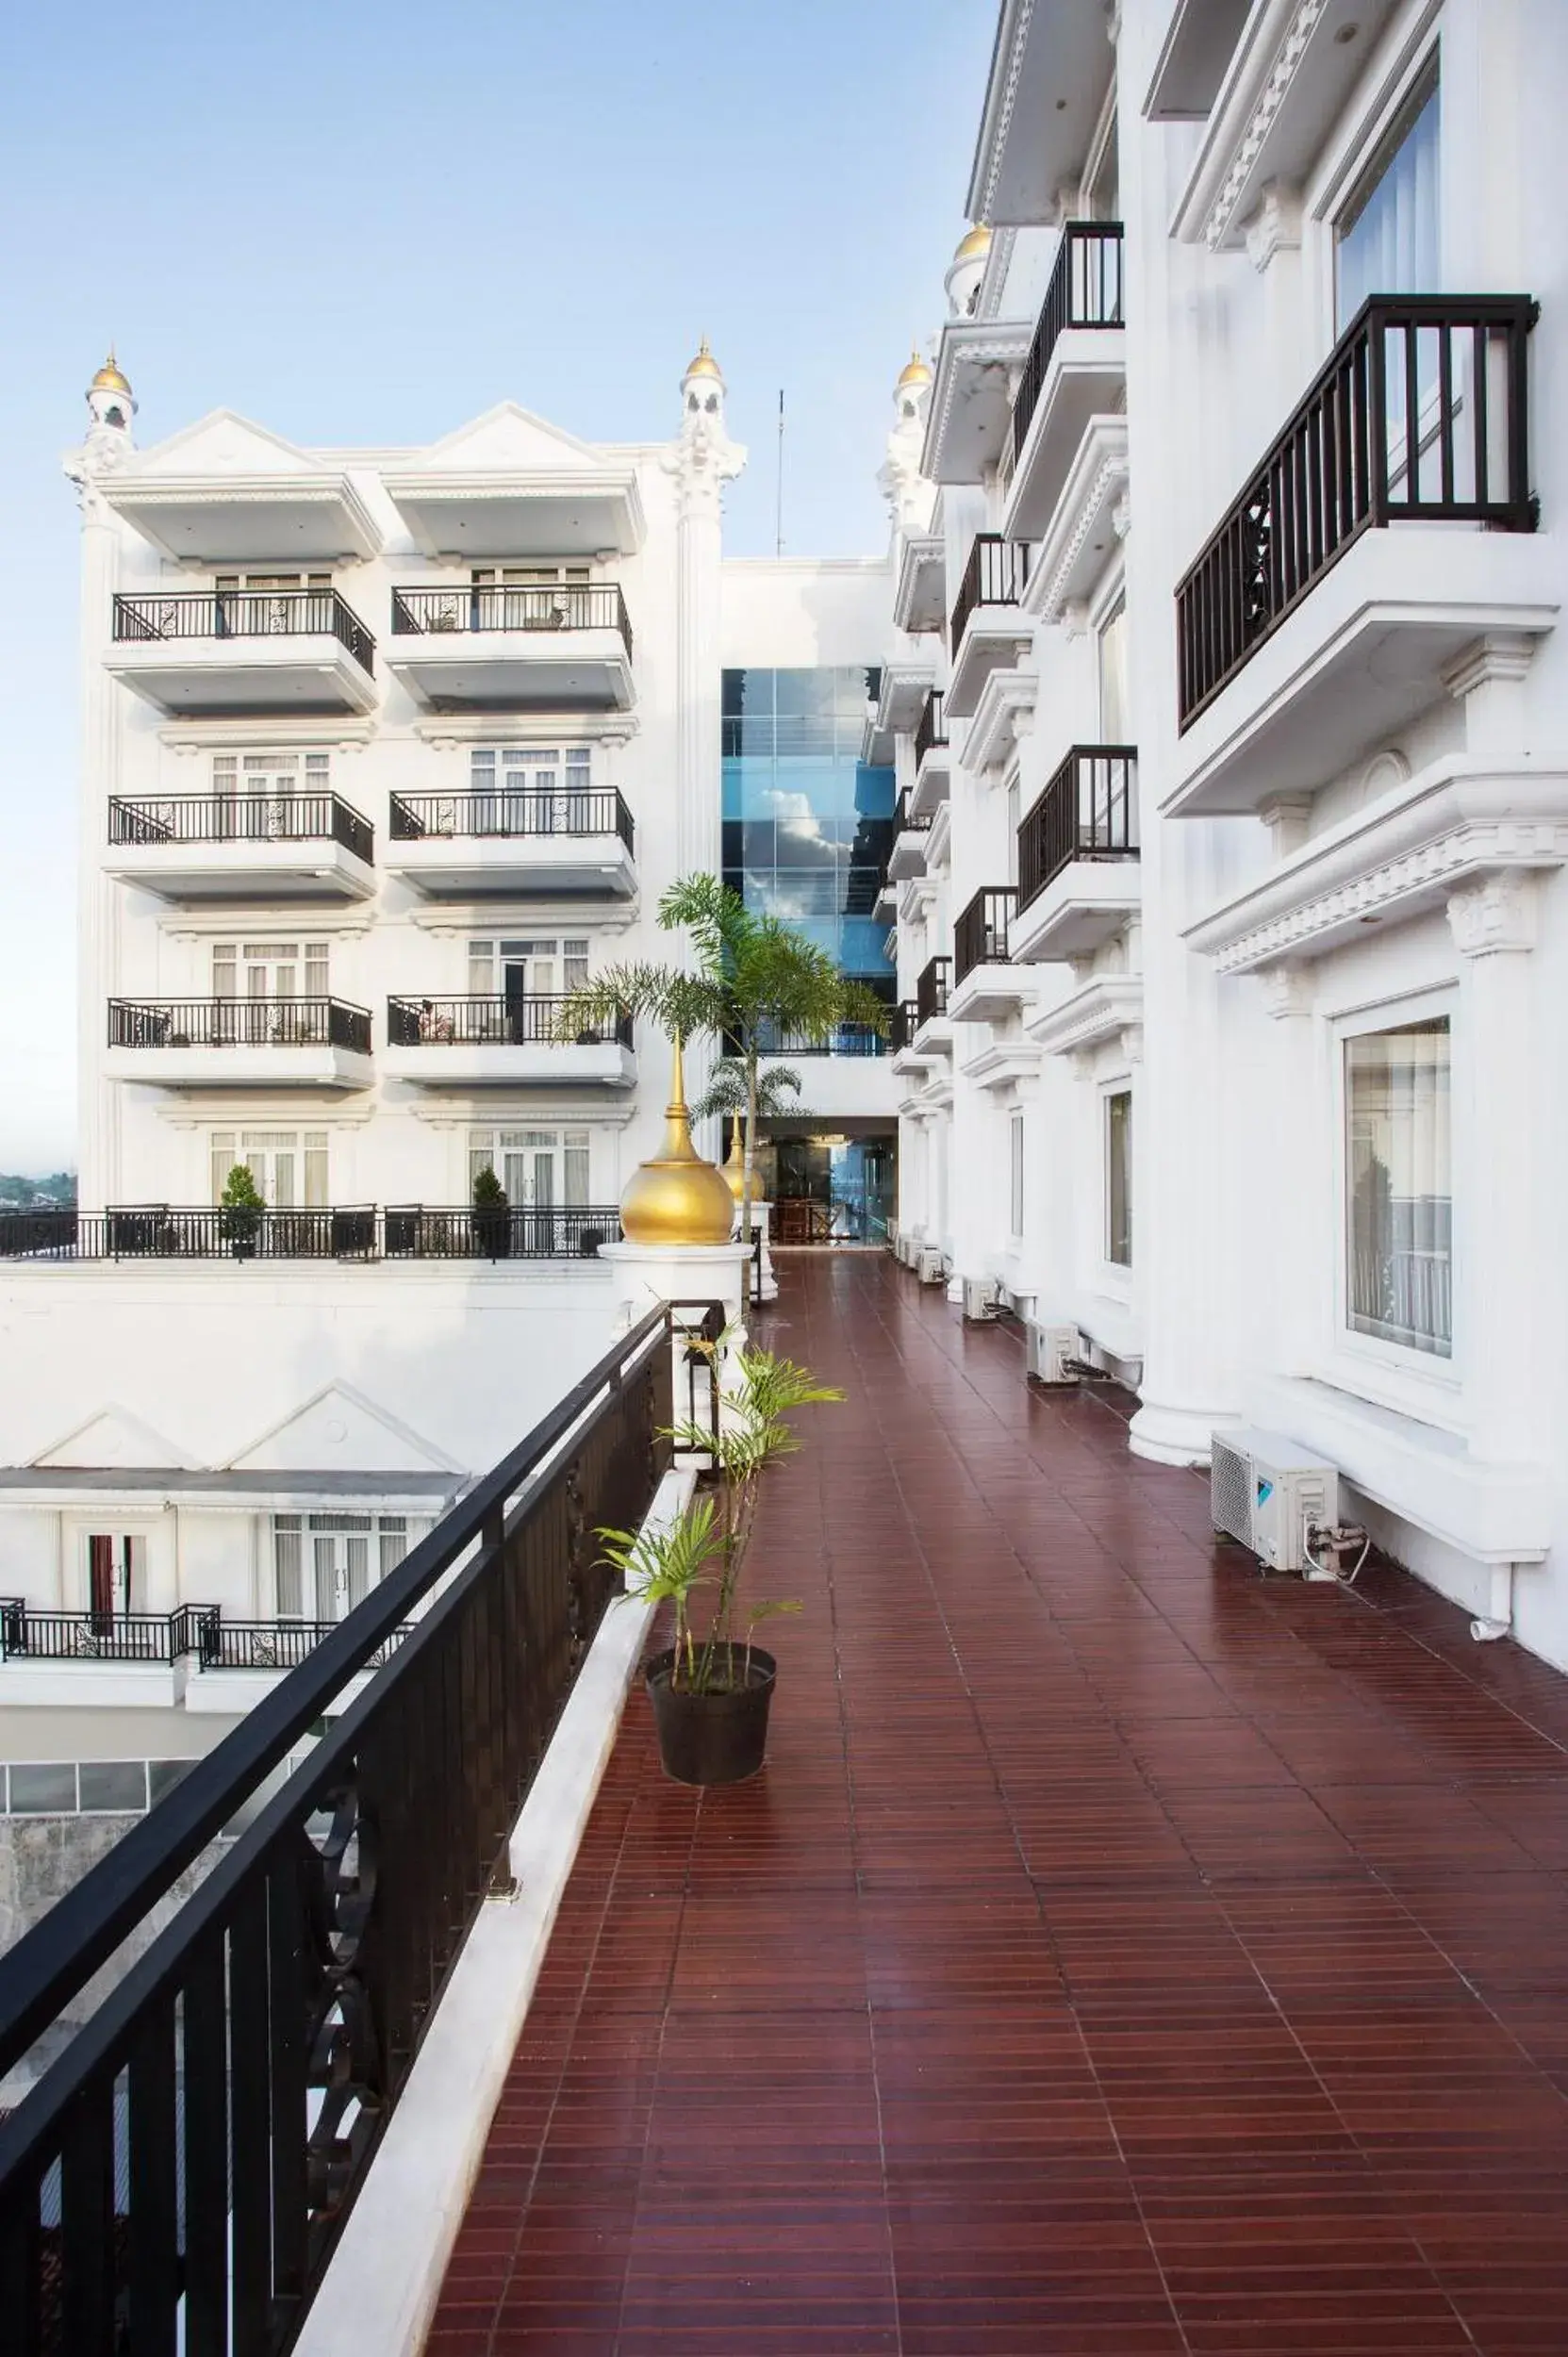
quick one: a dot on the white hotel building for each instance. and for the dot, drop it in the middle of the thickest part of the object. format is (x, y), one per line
(382, 751)
(1232, 925)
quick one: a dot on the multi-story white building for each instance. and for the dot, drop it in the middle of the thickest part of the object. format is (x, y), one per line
(382, 752)
(1229, 879)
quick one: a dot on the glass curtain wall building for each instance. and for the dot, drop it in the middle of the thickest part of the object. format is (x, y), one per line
(807, 823)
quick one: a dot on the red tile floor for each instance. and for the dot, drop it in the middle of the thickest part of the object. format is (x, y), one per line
(1119, 1953)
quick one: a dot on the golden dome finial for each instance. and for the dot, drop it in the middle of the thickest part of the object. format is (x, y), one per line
(704, 364)
(973, 247)
(675, 1196)
(917, 370)
(110, 379)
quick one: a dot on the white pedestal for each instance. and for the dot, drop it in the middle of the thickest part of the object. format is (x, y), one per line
(648, 1274)
(762, 1218)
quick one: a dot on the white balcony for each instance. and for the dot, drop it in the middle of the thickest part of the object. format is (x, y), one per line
(986, 988)
(520, 512)
(1080, 536)
(309, 1043)
(971, 398)
(1075, 370)
(564, 648)
(989, 630)
(1079, 876)
(920, 592)
(192, 848)
(1048, 78)
(1079, 910)
(294, 516)
(467, 1043)
(209, 653)
(520, 844)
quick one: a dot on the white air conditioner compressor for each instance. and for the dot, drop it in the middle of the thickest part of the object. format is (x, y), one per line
(1049, 1347)
(933, 1267)
(982, 1299)
(1272, 1495)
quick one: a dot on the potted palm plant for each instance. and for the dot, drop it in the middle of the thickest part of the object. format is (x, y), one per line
(712, 1689)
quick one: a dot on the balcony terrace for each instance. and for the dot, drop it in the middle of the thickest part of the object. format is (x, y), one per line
(932, 758)
(205, 653)
(986, 986)
(223, 846)
(907, 855)
(987, 631)
(578, 842)
(410, 1232)
(468, 1042)
(1120, 1949)
(560, 647)
(1078, 857)
(1076, 371)
(240, 1043)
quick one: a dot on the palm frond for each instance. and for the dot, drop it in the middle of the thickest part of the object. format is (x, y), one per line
(778, 1090)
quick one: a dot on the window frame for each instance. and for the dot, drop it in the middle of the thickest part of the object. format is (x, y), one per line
(1118, 1272)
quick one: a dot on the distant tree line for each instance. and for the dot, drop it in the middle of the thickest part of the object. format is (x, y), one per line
(58, 1187)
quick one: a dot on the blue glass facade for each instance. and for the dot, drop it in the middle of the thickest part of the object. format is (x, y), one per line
(808, 824)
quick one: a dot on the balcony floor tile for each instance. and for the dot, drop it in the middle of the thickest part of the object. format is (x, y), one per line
(1121, 1952)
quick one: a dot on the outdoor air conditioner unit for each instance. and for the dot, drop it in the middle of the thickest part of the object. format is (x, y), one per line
(1049, 1348)
(1271, 1495)
(981, 1299)
(933, 1267)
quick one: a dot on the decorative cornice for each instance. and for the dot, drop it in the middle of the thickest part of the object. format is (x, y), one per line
(921, 554)
(1452, 822)
(1275, 227)
(1004, 714)
(324, 733)
(1099, 476)
(1011, 73)
(1275, 89)
(140, 497)
(1496, 914)
(981, 344)
(1104, 1009)
(524, 728)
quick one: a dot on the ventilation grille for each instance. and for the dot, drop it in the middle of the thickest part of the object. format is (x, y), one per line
(1230, 1492)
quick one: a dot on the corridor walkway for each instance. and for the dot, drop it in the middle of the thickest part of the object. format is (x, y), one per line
(1121, 1955)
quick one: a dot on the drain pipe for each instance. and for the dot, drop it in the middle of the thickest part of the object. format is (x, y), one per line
(1497, 1621)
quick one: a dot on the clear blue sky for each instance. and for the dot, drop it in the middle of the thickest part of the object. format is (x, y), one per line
(366, 225)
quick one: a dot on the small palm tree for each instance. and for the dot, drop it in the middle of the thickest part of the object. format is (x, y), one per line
(755, 980)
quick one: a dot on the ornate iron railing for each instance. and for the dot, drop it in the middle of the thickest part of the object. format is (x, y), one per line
(412, 1231)
(933, 730)
(178, 2176)
(197, 1631)
(979, 936)
(931, 990)
(517, 1232)
(179, 614)
(1086, 291)
(995, 575)
(505, 811)
(1088, 811)
(1420, 414)
(906, 1022)
(238, 1023)
(240, 818)
(507, 605)
(529, 1022)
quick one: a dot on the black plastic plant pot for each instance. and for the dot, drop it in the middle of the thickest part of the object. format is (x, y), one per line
(712, 1738)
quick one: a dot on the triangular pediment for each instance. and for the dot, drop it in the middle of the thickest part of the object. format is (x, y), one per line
(508, 440)
(340, 1430)
(115, 1438)
(223, 443)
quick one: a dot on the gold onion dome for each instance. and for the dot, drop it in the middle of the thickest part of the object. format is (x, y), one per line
(704, 364)
(978, 242)
(675, 1196)
(915, 370)
(110, 379)
(734, 1172)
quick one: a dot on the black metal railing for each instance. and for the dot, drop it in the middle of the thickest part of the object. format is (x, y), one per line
(192, 1631)
(933, 730)
(517, 1231)
(502, 811)
(240, 818)
(1086, 291)
(179, 2175)
(844, 1039)
(979, 936)
(931, 990)
(1088, 811)
(904, 820)
(244, 613)
(531, 1022)
(238, 1023)
(905, 1023)
(497, 606)
(995, 575)
(1420, 414)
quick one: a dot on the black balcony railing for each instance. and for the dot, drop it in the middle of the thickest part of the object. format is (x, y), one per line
(995, 575)
(1086, 291)
(193, 1631)
(238, 1023)
(511, 606)
(240, 818)
(160, 1231)
(905, 1023)
(519, 1231)
(844, 1039)
(931, 990)
(244, 613)
(531, 1022)
(933, 730)
(1088, 811)
(904, 820)
(1420, 414)
(979, 936)
(178, 2176)
(501, 811)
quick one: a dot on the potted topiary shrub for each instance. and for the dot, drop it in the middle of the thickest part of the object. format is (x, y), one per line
(712, 1690)
(493, 1216)
(240, 1209)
